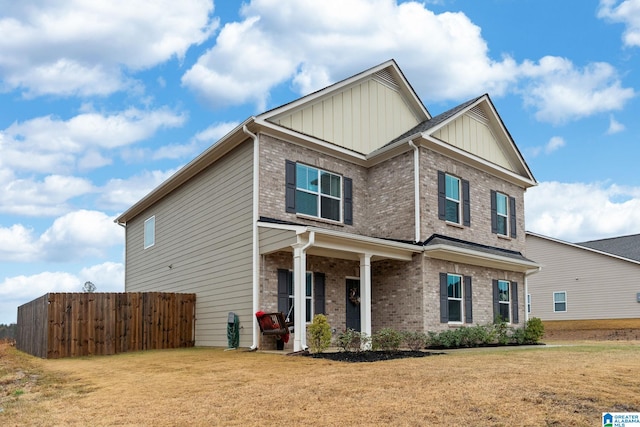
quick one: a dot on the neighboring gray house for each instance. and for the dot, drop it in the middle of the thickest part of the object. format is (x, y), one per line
(592, 280)
(352, 201)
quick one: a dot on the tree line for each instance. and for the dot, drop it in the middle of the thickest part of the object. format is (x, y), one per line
(8, 332)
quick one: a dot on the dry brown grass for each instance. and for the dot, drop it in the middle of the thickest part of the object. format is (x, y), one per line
(559, 386)
(603, 329)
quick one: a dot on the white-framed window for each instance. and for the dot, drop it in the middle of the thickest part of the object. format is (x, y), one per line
(150, 232)
(529, 303)
(308, 297)
(452, 195)
(502, 212)
(504, 300)
(318, 193)
(455, 298)
(559, 302)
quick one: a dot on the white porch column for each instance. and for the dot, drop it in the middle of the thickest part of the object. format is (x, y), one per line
(365, 295)
(299, 296)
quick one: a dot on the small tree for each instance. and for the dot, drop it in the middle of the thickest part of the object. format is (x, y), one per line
(319, 334)
(89, 287)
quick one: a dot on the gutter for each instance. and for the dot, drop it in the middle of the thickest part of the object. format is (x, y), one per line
(300, 324)
(255, 262)
(416, 191)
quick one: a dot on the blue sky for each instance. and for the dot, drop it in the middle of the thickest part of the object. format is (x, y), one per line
(100, 101)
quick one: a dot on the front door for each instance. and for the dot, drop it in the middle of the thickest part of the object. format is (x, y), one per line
(353, 304)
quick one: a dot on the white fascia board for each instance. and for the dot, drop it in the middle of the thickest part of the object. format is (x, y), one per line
(483, 259)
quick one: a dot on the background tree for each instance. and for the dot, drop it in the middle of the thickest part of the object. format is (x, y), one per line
(89, 287)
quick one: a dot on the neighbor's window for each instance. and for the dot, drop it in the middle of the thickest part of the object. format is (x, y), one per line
(452, 193)
(454, 289)
(559, 301)
(318, 192)
(150, 232)
(504, 300)
(528, 303)
(502, 211)
(308, 297)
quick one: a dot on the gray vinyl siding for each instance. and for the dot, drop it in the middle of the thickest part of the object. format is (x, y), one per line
(597, 286)
(203, 245)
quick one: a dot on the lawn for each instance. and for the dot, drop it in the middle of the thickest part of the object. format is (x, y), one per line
(569, 385)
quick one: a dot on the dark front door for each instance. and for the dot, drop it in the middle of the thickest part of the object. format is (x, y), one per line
(353, 304)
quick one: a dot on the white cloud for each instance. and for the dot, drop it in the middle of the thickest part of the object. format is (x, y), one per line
(48, 144)
(614, 126)
(71, 237)
(594, 210)
(560, 92)
(18, 290)
(124, 193)
(87, 47)
(554, 144)
(628, 13)
(48, 197)
(306, 41)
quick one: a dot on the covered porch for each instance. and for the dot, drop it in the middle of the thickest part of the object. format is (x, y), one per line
(295, 244)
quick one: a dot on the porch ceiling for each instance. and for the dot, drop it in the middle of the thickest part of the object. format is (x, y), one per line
(330, 243)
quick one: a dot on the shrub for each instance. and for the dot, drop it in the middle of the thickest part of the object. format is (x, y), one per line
(352, 340)
(502, 331)
(533, 330)
(415, 340)
(387, 339)
(319, 334)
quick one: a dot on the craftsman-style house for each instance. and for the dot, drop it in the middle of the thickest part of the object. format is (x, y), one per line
(352, 201)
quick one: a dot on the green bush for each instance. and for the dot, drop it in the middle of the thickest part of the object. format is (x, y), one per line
(502, 331)
(387, 339)
(415, 340)
(533, 330)
(352, 340)
(319, 334)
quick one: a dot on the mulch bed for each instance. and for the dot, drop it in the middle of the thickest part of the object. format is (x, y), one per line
(369, 356)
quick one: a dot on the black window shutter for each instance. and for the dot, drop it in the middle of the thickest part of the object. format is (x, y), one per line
(514, 303)
(466, 204)
(318, 293)
(284, 277)
(494, 213)
(442, 196)
(290, 191)
(512, 215)
(496, 301)
(444, 299)
(348, 201)
(468, 300)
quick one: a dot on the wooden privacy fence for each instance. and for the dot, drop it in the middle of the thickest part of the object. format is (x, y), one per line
(60, 325)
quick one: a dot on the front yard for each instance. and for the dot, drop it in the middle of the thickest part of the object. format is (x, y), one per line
(558, 386)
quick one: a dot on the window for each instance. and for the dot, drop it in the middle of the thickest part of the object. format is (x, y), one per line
(502, 212)
(308, 297)
(559, 301)
(452, 194)
(504, 300)
(529, 303)
(454, 295)
(318, 193)
(453, 199)
(150, 232)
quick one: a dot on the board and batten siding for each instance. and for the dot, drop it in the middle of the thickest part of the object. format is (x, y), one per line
(203, 245)
(598, 286)
(362, 118)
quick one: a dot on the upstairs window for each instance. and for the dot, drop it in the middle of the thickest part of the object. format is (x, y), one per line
(453, 199)
(318, 193)
(503, 214)
(559, 302)
(150, 232)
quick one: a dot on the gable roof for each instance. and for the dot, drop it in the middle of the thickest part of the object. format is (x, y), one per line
(596, 250)
(361, 113)
(624, 246)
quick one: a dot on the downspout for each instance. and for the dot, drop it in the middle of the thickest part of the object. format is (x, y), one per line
(255, 263)
(125, 253)
(416, 191)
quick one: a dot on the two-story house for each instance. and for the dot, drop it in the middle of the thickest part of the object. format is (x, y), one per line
(352, 201)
